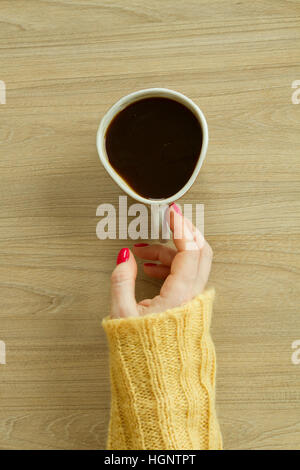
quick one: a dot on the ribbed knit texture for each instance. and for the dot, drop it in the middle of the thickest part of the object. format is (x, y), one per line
(162, 370)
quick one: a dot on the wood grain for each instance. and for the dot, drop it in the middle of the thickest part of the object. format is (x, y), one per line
(64, 63)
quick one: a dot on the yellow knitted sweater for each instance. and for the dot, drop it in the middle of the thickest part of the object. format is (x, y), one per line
(162, 370)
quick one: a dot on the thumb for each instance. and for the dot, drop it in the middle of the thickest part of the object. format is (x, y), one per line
(123, 303)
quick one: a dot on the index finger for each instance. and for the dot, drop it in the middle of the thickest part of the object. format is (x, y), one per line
(186, 236)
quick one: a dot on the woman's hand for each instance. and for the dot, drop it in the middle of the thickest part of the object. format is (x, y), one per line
(184, 269)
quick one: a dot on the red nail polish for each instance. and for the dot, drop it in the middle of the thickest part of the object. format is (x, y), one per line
(139, 245)
(123, 256)
(150, 264)
(176, 208)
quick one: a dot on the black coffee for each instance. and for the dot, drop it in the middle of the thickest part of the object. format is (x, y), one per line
(154, 145)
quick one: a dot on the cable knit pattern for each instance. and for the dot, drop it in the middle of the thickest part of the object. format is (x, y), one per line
(162, 370)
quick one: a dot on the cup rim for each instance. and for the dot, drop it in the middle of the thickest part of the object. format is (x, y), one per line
(137, 96)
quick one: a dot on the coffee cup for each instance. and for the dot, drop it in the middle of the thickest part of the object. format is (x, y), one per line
(124, 103)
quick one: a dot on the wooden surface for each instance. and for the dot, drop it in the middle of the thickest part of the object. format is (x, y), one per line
(64, 63)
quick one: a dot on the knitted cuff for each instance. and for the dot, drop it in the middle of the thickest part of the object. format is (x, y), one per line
(162, 378)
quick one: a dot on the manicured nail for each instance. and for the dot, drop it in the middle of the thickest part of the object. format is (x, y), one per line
(150, 264)
(176, 208)
(123, 256)
(139, 245)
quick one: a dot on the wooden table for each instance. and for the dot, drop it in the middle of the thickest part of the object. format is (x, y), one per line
(64, 63)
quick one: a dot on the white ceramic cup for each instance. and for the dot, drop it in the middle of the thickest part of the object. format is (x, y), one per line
(123, 103)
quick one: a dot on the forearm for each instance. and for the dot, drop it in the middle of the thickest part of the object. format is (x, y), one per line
(163, 380)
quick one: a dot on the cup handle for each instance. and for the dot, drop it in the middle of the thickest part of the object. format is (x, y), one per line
(160, 229)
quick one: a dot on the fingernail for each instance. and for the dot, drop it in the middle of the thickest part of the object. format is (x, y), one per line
(176, 208)
(123, 256)
(139, 245)
(150, 264)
